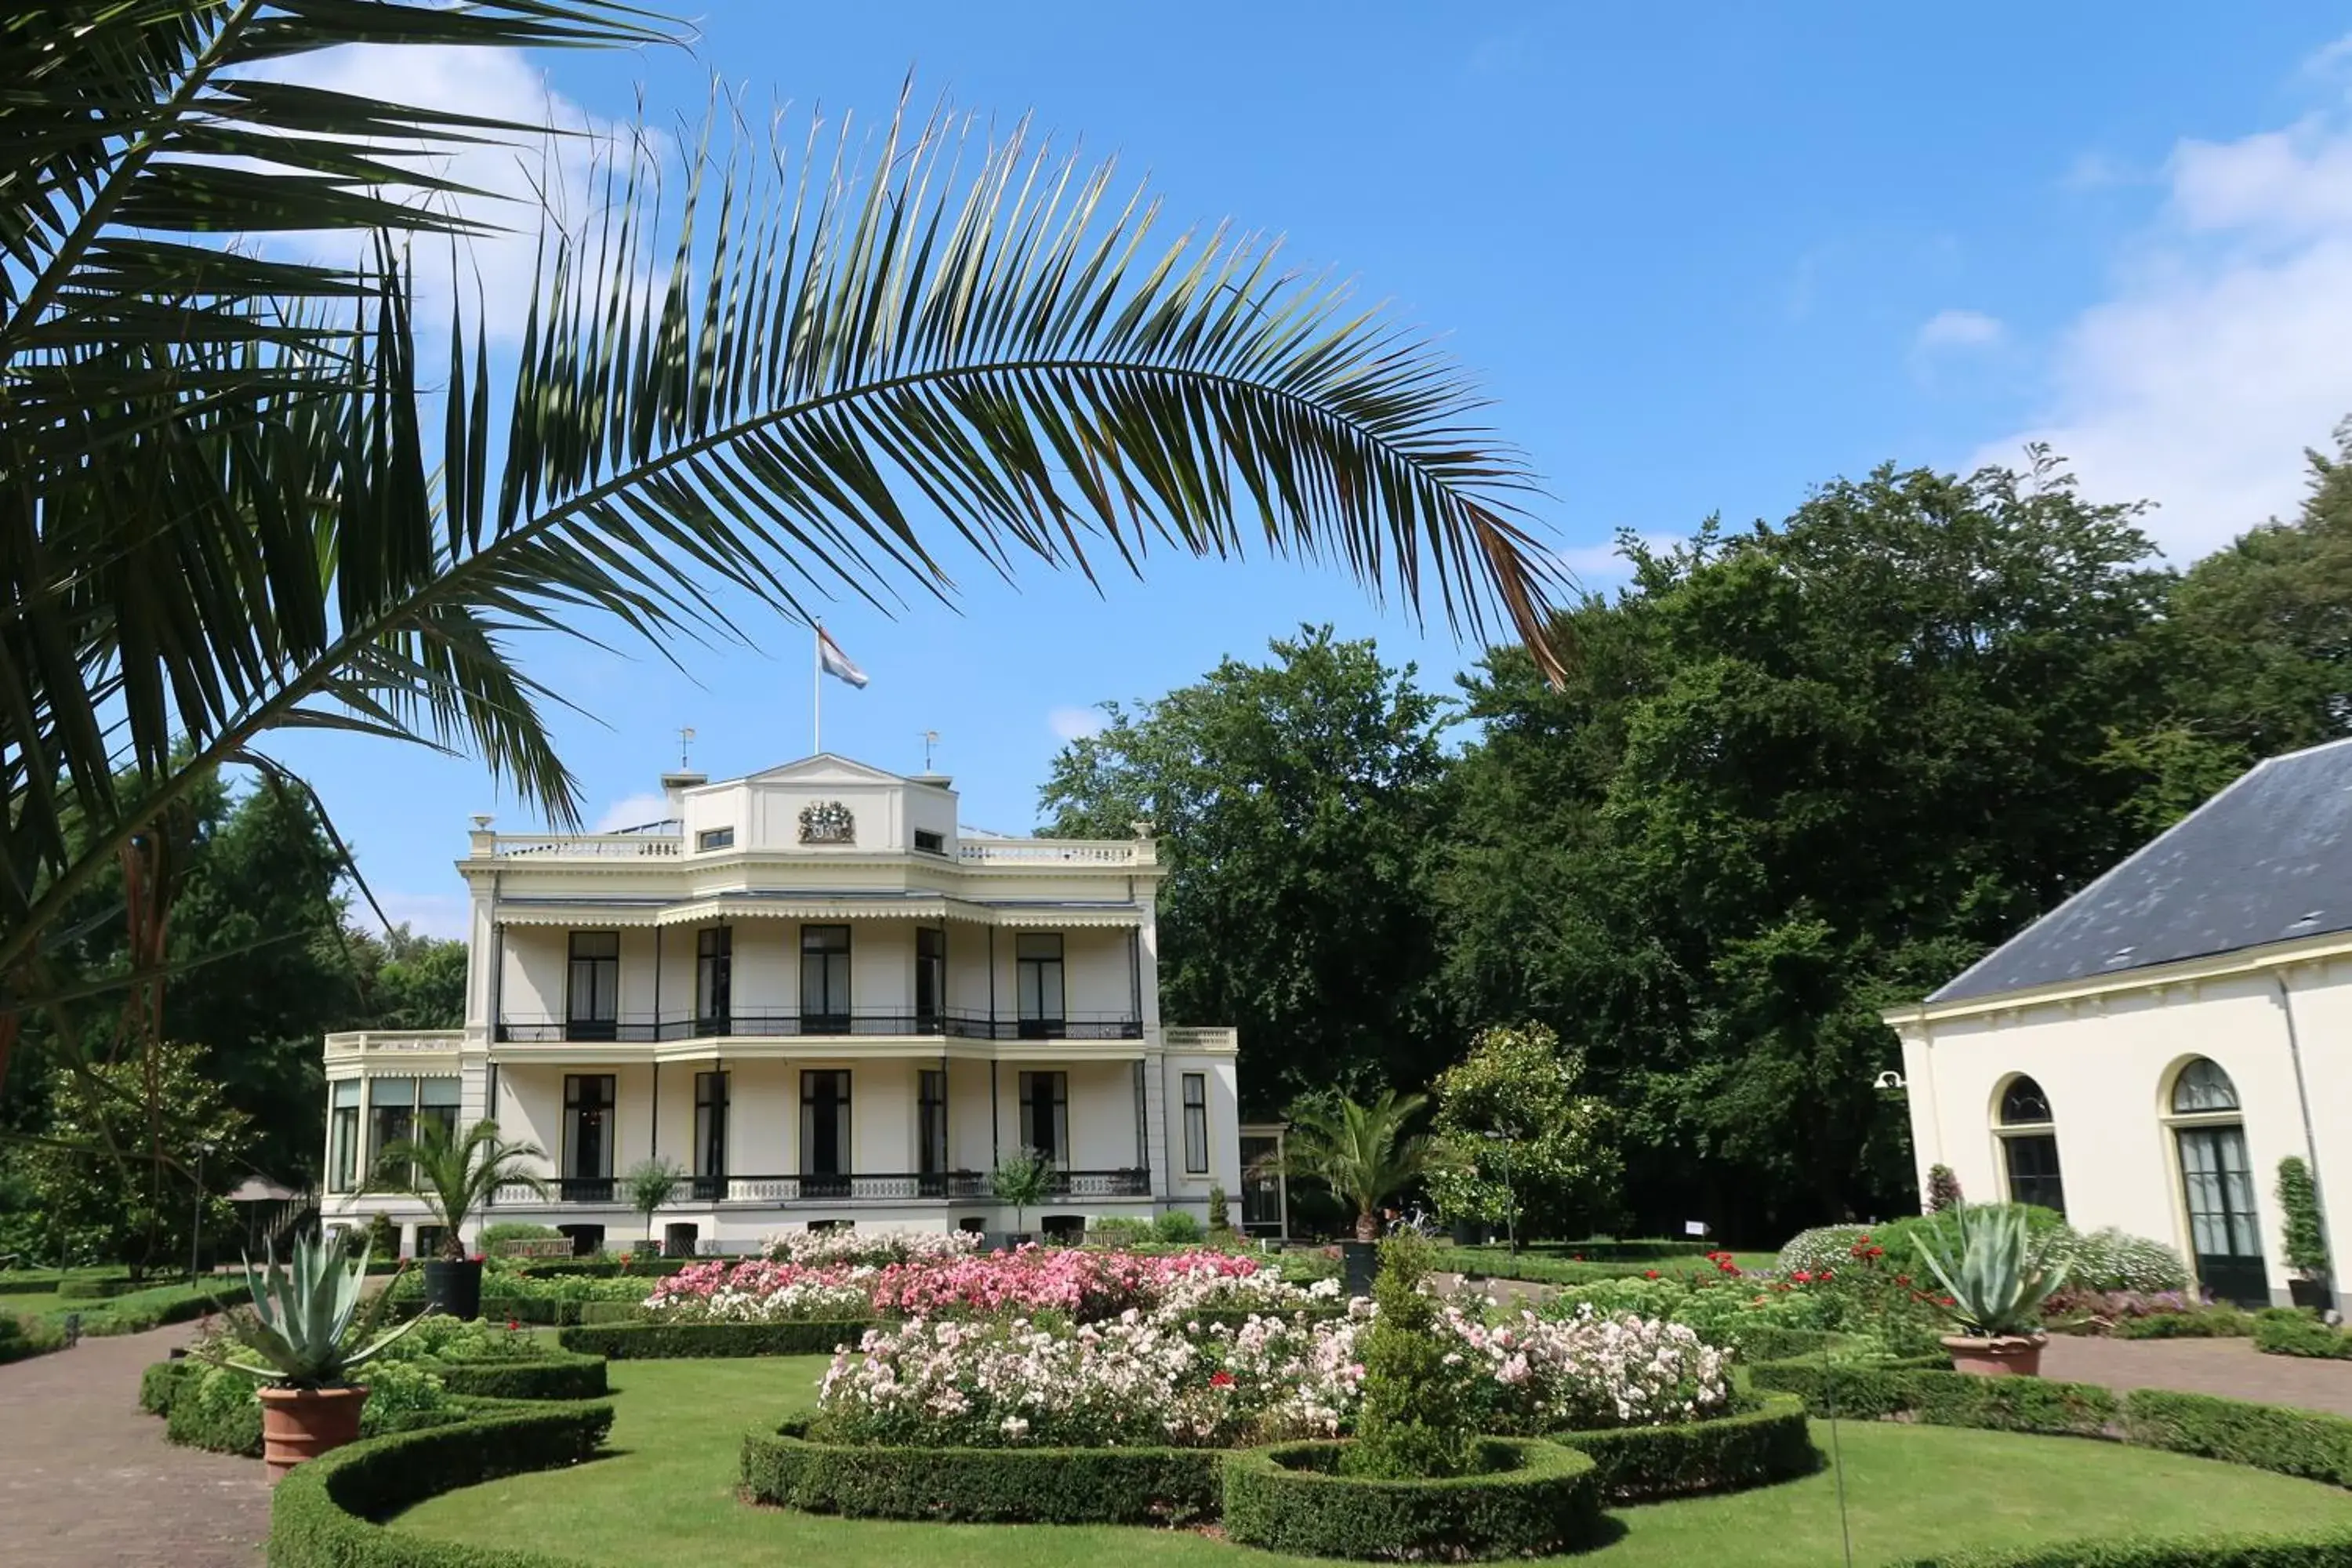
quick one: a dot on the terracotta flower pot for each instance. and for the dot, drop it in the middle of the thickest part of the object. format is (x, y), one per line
(2004, 1355)
(299, 1424)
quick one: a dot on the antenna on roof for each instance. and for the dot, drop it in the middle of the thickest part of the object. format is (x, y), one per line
(685, 740)
(930, 738)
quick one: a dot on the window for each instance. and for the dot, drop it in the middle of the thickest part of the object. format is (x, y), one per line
(931, 1122)
(595, 989)
(588, 1137)
(344, 1155)
(2217, 1184)
(710, 1178)
(824, 1126)
(1196, 1123)
(436, 1106)
(825, 980)
(715, 839)
(714, 978)
(2029, 1145)
(1038, 966)
(930, 976)
(930, 842)
(1046, 1116)
(392, 1115)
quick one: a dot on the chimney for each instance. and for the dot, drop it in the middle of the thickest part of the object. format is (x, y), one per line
(674, 788)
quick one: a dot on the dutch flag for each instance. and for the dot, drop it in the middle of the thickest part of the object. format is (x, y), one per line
(835, 663)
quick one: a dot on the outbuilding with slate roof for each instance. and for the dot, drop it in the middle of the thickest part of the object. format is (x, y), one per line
(2146, 1054)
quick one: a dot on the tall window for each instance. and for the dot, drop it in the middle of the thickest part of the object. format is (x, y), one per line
(2029, 1145)
(588, 1136)
(1196, 1123)
(1037, 975)
(825, 1123)
(714, 978)
(590, 1010)
(930, 976)
(343, 1158)
(931, 1122)
(2217, 1184)
(392, 1115)
(709, 1135)
(436, 1106)
(1045, 1115)
(825, 980)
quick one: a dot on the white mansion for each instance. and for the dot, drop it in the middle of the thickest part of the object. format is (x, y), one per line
(822, 1003)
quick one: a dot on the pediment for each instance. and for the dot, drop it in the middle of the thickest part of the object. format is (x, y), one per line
(825, 769)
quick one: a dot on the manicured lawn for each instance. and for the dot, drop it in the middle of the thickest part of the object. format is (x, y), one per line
(667, 1496)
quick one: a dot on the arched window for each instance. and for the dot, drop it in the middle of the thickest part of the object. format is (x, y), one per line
(2029, 1145)
(2217, 1184)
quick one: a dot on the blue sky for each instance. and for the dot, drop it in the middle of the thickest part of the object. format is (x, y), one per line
(1700, 266)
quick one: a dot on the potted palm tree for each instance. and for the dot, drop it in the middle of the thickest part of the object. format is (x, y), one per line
(1994, 1285)
(1364, 1155)
(650, 1184)
(298, 1330)
(1022, 1178)
(454, 1179)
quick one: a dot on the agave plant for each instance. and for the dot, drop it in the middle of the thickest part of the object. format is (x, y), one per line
(1996, 1281)
(302, 1314)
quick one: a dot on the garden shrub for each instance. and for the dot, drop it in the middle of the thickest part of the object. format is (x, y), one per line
(1177, 1228)
(1418, 1417)
(493, 1237)
(1767, 1442)
(2266, 1437)
(1035, 1486)
(2196, 1324)
(1856, 1389)
(560, 1375)
(23, 1338)
(1943, 1189)
(1763, 1343)
(673, 1342)
(215, 1408)
(88, 1289)
(2113, 1259)
(160, 1380)
(1122, 1232)
(2287, 1330)
(2010, 1403)
(2298, 1199)
(1824, 1247)
(320, 1515)
(1525, 1498)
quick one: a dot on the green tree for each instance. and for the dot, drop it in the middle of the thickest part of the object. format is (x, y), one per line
(1360, 1152)
(649, 1185)
(456, 1177)
(1514, 1137)
(1419, 1418)
(1797, 774)
(1296, 805)
(113, 1178)
(412, 981)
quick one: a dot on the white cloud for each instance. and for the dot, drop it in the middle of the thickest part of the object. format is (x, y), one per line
(426, 914)
(633, 811)
(1959, 330)
(513, 173)
(1591, 563)
(2225, 348)
(1076, 723)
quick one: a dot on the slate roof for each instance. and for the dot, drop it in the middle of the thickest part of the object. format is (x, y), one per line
(2268, 859)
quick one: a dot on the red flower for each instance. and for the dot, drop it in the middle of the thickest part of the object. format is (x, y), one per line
(1650, 1274)
(1902, 1279)
(1945, 1301)
(1802, 1276)
(1827, 1276)
(1579, 1257)
(512, 1324)
(1220, 1379)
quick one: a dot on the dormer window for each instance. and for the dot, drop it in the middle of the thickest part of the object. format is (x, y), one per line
(715, 839)
(930, 842)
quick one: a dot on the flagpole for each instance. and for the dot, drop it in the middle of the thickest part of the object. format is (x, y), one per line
(816, 691)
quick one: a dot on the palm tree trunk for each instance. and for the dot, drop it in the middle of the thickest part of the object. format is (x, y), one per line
(1368, 1225)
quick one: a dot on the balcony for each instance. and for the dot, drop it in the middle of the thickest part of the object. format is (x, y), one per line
(653, 1029)
(897, 1187)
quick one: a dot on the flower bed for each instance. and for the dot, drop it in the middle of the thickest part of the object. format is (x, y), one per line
(760, 1291)
(1533, 1498)
(1767, 1441)
(1590, 1371)
(843, 1247)
(994, 1485)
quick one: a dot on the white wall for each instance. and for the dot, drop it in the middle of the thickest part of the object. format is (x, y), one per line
(2107, 1065)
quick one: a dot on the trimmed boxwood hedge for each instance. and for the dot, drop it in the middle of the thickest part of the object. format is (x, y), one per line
(88, 1290)
(683, 1342)
(2266, 1437)
(321, 1515)
(1859, 1389)
(1755, 1446)
(160, 1382)
(556, 1375)
(1936, 1395)
(2322, 1550)
(2286, 1330)
(995, 1486)
(1290, 1498)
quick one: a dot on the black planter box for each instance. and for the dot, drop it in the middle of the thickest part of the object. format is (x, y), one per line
(1358, 1261)
(2313, 1294)
(454, 1286)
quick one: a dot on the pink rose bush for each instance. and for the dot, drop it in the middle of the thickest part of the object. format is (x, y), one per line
(1145, 1379)
(1130, 1380)
(757, 1291)
(849, 1247)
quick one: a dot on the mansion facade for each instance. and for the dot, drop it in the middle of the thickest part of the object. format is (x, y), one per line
(821, 1002)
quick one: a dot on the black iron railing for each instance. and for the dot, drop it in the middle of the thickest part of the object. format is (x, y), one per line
(649, 1029)
(903, 1186)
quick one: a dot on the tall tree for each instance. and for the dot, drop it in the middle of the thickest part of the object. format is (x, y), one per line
(1295, 802)
(1798, 774)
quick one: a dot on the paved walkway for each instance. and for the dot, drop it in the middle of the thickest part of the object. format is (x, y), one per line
(2231, 1368)
(87, 1480)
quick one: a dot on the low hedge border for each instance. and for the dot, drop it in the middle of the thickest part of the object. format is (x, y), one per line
(97, 1289)
(988, 1486)
(556, 1375)
(2285, 1330)
(1755, 1446)
(2322, 1550)
(686, 1342)
(1290, 1498)
(2266, 1437)
(21, 1338)
(323, 1515)
(1860, 1389)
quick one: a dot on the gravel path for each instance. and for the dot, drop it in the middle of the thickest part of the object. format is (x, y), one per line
(87, 1480)
(2231, 1368)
